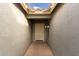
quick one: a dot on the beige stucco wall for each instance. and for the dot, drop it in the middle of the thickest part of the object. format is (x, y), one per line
(14, 31)
(64, 30)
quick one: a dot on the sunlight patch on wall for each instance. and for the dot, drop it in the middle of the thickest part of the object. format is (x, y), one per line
(20, 18)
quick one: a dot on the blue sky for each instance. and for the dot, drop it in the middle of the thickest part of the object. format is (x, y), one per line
(39, 5)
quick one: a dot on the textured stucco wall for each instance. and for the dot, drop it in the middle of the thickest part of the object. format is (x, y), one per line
(64, 30)
(14, 31)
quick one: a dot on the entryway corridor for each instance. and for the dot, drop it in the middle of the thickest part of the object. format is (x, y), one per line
(39, 48)
(39, 36)
(39, 29)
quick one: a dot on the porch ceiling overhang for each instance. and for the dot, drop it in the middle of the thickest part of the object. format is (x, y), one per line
(47, 11)
(41, 17)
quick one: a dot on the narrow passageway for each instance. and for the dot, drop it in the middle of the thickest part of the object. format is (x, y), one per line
(25, 31)
(39, 48)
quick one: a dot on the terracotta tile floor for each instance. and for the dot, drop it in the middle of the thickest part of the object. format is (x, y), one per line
(39, 48)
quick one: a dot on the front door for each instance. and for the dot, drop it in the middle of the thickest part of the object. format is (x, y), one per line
(39, 31)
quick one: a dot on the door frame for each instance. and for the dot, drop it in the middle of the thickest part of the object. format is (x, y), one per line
(34, 32)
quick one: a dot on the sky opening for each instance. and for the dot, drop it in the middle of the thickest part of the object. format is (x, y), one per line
(39, 5)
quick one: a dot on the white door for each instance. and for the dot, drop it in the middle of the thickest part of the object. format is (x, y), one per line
(39, 31)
